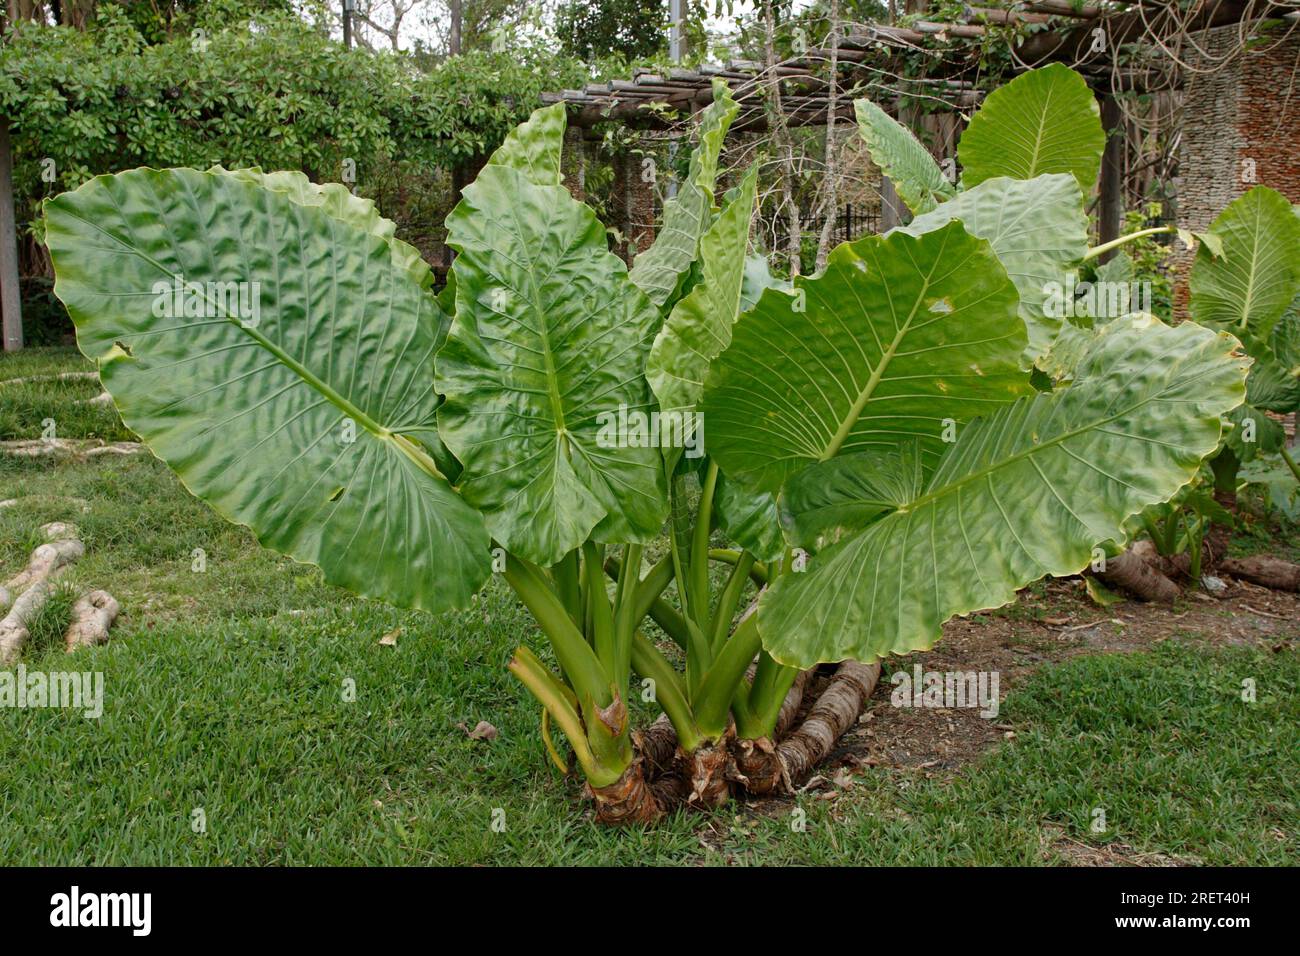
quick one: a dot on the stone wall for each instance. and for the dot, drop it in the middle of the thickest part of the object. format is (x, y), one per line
(1241, 128)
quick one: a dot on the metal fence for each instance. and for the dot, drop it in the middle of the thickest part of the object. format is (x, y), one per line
(851, 222)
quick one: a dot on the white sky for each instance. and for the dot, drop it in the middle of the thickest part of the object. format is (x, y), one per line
(416, 25)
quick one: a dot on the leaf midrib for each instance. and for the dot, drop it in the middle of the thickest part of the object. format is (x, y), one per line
(860, 403)
(1025, 453)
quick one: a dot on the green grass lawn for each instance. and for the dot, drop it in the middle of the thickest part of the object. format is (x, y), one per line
(25, 407)
(229, 690)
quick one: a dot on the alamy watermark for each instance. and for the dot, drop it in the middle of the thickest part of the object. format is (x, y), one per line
(633, 428)
(133, 911)
(71, 690)
(950, 689)
(1095, 300)
(208, 300)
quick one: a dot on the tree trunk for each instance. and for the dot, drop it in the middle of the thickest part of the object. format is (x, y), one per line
(830, 185)
(455, 8)
(1111, 202)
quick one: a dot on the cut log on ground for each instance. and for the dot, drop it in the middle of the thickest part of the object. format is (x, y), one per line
(1265, 571)
(766, 766)
(92, 616)
(836, 710)
(1132, 573)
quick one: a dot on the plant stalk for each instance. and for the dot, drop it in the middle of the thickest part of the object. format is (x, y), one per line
(1106, 247)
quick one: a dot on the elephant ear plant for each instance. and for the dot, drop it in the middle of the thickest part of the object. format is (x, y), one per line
(875, 452)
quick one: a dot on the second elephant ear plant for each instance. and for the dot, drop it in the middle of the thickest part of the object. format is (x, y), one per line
(823, 477)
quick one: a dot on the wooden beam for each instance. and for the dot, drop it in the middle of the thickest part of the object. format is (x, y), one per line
(1129, 27)
(1064, 8)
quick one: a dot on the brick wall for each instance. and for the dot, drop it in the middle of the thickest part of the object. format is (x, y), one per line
(1245, 110)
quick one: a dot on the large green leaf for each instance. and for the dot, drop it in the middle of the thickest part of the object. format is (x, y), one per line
(699, 326)
(1284, 343)
(898, 334)
(310, 418)
(910, 167)
(1043, 121)
(1065, 354)
(549, 341)
(534, 147)
(1027, 492)
(1038, 229)
(1252, 433)
(1272, 387)
(1248, 288)
(833, 498)
(658, 271)
(339, 202)
(749, 518)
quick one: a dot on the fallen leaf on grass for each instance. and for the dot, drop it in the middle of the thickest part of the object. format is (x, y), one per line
(482, 731)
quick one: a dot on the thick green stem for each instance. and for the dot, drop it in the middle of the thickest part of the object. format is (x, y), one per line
(758, 571)
(675, 544)
(599, 612)
(729, 601)
(668, 689)
(601, 769)
(699, 583)
(568, 585)
(1290, 462)
(1195, 535)
(626, 618)
(652, 585)
(772, 681)
(1106, 247)
(649, 601)
(580, 663)
(699, 656)
(713, 702)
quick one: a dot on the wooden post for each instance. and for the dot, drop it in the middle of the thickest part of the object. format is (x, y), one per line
(10, 300)
(1110, 210)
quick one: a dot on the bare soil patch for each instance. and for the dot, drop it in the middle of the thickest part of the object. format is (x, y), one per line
(1045, 625)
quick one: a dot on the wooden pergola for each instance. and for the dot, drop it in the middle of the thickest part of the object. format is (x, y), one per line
(864, 56)
(1083, 35)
